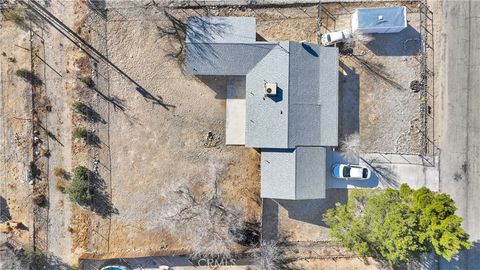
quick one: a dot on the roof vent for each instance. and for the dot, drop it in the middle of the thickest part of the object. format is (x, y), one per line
(270, 89)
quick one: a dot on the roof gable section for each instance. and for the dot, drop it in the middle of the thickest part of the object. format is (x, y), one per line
(267, 117)
(304, 79)
(310, 172)
(224, 59)
(278, 173)
(221, 29)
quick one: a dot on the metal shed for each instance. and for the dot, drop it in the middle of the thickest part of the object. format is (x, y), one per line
(379, 20)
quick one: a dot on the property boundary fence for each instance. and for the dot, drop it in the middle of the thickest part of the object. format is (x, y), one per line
(427, 92)
(39, 165)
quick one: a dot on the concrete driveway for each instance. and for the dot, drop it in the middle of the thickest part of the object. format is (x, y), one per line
(388, 170)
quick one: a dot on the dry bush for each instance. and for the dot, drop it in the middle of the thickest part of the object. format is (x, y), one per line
(39, 199)
(268, 256)
(350, 147)
(88, 81)
(201, 215)
(60, 186)
(59, 172)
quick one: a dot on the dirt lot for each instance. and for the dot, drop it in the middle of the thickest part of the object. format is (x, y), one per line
(15, 130)
(375, 81)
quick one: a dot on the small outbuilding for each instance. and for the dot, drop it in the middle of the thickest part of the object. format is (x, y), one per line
(379, 20)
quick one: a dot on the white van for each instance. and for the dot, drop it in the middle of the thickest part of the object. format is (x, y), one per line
(335, 37)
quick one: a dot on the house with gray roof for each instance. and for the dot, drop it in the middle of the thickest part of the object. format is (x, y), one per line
(282, 97)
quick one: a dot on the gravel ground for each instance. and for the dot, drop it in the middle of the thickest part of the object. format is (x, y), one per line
(376, 99)
(58, 76)
(16, 128)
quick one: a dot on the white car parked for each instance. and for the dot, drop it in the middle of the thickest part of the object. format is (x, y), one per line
(335, 37)
(351, 172)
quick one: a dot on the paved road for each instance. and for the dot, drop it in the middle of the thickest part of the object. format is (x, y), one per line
(460, 145)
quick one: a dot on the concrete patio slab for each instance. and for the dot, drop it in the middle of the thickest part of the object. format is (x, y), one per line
(235, 111)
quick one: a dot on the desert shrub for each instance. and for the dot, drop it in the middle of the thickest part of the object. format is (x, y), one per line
(88, 81)
(60, 187)
(28, 76)
(81, 173)
(246, 235)
(89, 137)
(23, 72)
(80, 133)
(78, 190)
(59, 172)
(15, 14)
(80, 107)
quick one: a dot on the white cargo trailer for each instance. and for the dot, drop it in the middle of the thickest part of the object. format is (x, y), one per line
(379, 20)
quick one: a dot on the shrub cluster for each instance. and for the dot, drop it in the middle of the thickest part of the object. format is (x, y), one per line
(79, 190)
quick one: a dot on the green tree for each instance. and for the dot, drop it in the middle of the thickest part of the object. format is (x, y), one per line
(397, 226)
(79, 190)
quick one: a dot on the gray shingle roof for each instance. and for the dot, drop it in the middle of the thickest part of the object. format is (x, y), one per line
(223, 45)
(221, 29)
(291, 127)
(313, 96)
(267, 118)
(293, 174)
(224, 58)
(305, 111)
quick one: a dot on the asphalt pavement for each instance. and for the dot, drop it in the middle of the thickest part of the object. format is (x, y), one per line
(460, 140)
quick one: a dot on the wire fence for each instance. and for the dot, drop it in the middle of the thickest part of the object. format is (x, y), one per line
(426, 81)
(39, 165)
